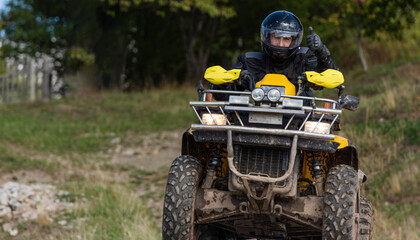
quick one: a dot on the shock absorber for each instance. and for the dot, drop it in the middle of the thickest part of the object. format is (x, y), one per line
(211, 172)
(316, 169)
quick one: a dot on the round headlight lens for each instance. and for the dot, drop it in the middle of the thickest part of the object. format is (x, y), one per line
(273, 95)
(257, 94)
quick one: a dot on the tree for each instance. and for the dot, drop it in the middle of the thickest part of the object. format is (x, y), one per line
(139, 43)
(198, 22)
(370, 17)
(116, 35)
(75, 33)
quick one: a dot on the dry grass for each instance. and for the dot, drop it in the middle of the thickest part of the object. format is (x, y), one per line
(389, 97)
(126, 217)
(384, 130)
(387, 228)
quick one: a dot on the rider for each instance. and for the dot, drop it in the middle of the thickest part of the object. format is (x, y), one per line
(281, 36)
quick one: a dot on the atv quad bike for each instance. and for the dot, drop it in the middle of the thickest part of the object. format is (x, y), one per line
(266, 165)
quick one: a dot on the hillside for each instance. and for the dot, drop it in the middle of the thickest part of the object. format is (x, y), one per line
(111, 153)
(386, 129)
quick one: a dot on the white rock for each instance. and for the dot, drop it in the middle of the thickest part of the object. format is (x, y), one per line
(115, 141)
(3, 198)
(7, 227)
(13, 203)
(5, 212)
(13, 232)
(20, 203)
(129, 152)
(62, 222)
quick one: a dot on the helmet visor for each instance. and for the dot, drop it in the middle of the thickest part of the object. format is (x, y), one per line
(269, 35)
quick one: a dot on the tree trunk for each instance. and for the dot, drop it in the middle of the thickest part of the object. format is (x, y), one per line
(197, 39)
(359, 45)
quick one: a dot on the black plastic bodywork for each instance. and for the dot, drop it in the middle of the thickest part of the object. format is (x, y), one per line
(193, 144)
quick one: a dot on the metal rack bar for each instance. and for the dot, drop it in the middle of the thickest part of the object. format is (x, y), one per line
(270, 131)
(306, 119)
(239, 118)
(316, 125)
(227, 120)
(290, 121)
(211, 115)
(199, 118)
(336, 116)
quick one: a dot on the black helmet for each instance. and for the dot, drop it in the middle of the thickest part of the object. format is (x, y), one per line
(281, 23)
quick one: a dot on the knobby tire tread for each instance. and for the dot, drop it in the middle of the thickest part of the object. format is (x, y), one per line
(178, 210)
(340, 201)
(366, 219)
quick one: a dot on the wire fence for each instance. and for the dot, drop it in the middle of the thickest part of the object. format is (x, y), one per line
(27, 80)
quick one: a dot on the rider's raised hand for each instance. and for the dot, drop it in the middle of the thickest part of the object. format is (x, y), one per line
(314, 41)
(315, 44)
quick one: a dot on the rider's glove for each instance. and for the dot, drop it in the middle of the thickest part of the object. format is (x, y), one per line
(315, 44)
(314, 86)
(245, 80)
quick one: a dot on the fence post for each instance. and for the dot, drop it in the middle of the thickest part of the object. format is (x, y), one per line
(32, 79)
(7, 87)
(12, 86)
(46, 86)
(2, 89)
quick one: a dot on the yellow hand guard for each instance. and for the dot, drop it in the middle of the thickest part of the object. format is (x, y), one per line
(218, 75)
(329, 78)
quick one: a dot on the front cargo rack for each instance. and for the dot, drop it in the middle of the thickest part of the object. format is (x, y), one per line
(325, 116)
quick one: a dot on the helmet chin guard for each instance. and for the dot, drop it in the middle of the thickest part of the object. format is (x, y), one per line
(278, 53)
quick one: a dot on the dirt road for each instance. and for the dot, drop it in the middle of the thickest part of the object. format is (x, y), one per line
(149, 162)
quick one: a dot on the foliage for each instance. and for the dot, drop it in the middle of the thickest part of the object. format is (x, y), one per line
(377, 16)
(141, 43)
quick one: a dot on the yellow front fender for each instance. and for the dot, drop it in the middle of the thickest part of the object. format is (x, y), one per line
(342, 141)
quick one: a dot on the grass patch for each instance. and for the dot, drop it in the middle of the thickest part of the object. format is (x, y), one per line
(12, 160)
(88, 124)
(11, 164)
(400, 211)
(386, 131)
(114, 212)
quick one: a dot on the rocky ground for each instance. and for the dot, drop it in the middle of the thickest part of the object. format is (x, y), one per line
(35, 202)
(32, 196)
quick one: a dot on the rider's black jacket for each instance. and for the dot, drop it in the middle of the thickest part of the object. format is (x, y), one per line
(259, 64)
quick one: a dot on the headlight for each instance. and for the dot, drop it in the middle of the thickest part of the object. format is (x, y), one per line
(208, 119)
(257, 94)
(273, 95)
(323, 128)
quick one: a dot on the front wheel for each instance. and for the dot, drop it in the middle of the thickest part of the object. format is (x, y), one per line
(340, 204)
(181, 189)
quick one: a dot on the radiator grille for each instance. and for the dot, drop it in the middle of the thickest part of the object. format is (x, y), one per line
(262, 160)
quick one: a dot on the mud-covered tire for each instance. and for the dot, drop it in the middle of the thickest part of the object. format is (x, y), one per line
(365, 219)
(340, 204)
(181, 188)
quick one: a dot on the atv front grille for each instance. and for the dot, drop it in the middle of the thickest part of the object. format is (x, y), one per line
(264, 161)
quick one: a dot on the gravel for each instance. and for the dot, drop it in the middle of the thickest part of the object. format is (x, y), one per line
(35, 202)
